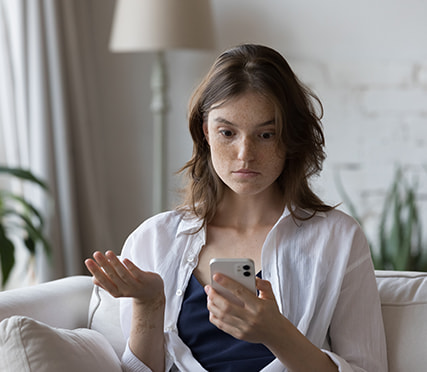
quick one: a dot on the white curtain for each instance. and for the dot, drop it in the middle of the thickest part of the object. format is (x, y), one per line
(49, 121)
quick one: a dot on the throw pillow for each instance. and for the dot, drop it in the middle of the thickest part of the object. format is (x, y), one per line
(29, 345)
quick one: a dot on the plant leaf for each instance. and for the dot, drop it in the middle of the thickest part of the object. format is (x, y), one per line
(30, 244)
(27, 206)
(7, 255)
(23, 174)
(32, 231)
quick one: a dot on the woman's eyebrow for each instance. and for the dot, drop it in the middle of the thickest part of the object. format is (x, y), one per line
(222, 120)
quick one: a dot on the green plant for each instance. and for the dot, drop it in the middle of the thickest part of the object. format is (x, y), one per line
(400, 245)
(400, 230)
(19, 218)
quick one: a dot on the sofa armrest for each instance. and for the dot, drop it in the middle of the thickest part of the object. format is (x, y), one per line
(60, 303)
(404, 308)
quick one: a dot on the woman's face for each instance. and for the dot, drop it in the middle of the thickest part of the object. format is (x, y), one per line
(244, 148)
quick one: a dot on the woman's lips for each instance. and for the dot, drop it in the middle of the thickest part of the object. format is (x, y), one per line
(244, 172)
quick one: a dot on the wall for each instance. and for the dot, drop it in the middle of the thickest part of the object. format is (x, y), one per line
(366, 60)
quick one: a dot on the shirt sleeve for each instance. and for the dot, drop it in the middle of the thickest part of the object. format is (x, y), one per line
(130, 363)
(356, 332)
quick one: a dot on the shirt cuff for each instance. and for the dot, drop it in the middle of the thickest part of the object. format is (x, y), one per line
(131, 363)
(341, 363)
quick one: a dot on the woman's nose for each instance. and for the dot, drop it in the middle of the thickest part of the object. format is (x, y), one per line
(246, 150)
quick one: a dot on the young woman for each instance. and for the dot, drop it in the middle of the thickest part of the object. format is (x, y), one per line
(257, 141)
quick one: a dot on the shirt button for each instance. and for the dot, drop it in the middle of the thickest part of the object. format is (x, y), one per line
(179, 292)
(190, 258)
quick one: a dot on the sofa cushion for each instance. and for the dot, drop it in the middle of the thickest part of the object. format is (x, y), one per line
(404, 308)
(29, 345)
(104, 317)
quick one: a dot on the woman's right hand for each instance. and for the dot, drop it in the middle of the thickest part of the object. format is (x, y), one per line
(125, 279)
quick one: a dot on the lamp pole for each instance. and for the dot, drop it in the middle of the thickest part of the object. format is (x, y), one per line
(159, 25)
(158, 109)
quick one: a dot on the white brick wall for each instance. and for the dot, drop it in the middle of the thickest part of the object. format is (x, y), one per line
(421, 75)
(375, 120)
(367, 61)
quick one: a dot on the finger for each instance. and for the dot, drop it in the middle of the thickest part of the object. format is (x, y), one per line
(217, 304)
(106, 275)
(237, 289)
(107, 266)
(100, 278)
(224, 314)
(132, 268)
(120, 269)
(94, 268)
(221, 308)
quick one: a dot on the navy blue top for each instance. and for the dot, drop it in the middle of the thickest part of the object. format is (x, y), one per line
(214, 349)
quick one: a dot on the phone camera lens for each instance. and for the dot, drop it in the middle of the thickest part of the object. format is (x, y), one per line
(246, 273)
(246, 267)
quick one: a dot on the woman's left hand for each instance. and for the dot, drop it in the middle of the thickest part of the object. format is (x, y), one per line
(259, 320)
(255, 320)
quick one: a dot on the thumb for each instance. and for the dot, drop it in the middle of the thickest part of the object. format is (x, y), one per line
(265, 289)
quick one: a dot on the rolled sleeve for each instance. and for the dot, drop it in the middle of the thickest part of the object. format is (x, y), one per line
(342, 365)
(131, 363)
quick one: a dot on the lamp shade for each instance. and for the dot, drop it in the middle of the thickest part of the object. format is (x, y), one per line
(156, 25)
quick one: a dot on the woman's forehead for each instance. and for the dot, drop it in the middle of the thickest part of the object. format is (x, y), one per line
(240, 100)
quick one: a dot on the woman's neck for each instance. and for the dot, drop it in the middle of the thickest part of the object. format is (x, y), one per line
(248, 212)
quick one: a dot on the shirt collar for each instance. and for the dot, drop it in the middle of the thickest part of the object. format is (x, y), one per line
(189, 224)
(301, 212)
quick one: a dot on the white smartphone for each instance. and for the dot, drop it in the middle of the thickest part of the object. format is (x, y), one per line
(241, 270)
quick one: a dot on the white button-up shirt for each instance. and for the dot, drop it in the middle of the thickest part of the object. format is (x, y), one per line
(320, 270)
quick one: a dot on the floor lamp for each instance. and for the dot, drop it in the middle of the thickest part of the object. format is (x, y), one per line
(157, 26)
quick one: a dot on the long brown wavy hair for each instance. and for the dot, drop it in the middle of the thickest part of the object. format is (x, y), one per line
(259, 69)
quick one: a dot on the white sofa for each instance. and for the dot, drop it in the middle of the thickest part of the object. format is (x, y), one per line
(70, 325)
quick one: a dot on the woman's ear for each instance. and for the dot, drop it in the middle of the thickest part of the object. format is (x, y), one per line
(205, 131)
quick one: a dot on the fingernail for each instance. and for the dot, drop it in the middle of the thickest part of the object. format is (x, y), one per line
(218, 278)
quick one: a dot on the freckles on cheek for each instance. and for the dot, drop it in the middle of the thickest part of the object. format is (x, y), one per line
(219, 152)
(217, 163)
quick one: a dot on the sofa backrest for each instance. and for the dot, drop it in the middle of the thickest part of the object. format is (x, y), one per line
(404, 308)
(104, 317)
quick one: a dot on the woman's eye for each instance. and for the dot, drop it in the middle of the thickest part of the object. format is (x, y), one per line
(226, 133)
(267, 135)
